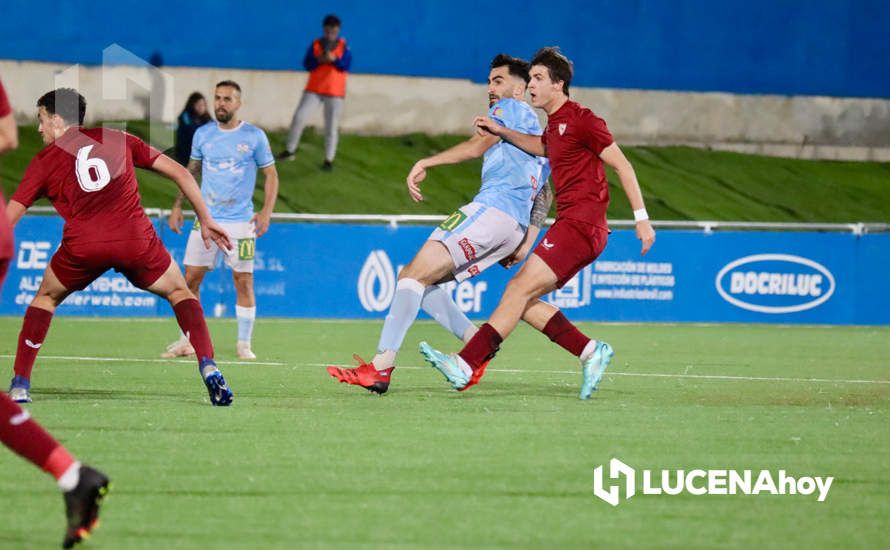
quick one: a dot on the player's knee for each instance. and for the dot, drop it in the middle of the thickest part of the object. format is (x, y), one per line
(243, 283)
(193, 280)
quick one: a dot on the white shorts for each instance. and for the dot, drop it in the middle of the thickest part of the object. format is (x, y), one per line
(477, 236)
(240, 258)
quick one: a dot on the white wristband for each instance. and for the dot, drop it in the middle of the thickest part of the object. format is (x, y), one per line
(641, 215)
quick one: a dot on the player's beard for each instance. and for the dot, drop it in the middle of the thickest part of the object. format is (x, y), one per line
(222, 116)
(492, 99)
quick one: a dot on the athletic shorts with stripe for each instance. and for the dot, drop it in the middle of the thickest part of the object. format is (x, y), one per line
(239, 258)
(569, 246)
(477, 236)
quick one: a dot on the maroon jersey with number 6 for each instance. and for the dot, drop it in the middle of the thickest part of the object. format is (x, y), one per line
(88, 175)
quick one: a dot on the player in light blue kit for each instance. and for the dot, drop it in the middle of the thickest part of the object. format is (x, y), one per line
(227, 156)
(499, 225)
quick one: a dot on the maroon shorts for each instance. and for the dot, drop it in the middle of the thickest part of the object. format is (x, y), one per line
(142, 261)
(569, 246)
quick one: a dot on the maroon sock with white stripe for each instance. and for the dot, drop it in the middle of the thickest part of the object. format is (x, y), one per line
(34, 329)
(190, 317)
(22, 434)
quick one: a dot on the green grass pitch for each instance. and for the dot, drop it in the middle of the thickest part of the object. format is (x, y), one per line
(302, 461)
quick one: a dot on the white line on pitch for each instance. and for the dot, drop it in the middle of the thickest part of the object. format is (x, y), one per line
(511, 371)
(137, 360)
(665, 375)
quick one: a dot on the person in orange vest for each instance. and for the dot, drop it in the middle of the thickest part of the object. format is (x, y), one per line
(328, 60)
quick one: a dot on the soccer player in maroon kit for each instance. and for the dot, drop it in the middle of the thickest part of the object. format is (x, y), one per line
(88, 175)
(83, 487)
(577, 142)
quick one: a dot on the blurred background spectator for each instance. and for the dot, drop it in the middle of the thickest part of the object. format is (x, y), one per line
(327, 60)
(192, 117)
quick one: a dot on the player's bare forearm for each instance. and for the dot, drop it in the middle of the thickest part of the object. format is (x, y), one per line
(9, 134)
(470, 149)
(541, 207)
(14, 212)
(271, 188)
(614, 157)
(528, 143)
(183, 178)
(194, 168)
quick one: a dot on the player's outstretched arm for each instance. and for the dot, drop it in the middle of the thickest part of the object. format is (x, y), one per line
(210, 230)
(263, 218)
(472, 148)
(614, 157)
(531, 144)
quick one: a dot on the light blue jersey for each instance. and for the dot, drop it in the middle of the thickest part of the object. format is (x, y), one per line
(229, 162)
(511, 178)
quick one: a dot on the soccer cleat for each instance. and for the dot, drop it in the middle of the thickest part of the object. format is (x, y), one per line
(19, 390)
(446, 364)
(593, 368)
(220, 393)
(474, 378)
(179, 348)
(365, 375)
(82, 505)
(286, 155)
(242, 349)
(327, 166)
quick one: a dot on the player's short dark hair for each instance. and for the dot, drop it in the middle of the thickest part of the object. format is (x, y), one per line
(558, 65)
(330, 20)
(517, 67)
(66, 103)
(229, 83)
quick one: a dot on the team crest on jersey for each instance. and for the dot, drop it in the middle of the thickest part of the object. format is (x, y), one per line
(497, 111)
(534, 183)
(562, 128)
(243, 147)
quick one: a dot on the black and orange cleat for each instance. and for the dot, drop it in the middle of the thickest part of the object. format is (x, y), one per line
(365, 375)
(474, 378)
(82, 505)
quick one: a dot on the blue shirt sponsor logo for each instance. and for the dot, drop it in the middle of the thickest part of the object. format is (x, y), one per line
(775, 283)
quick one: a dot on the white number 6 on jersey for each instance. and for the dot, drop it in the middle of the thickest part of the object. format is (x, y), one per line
(86, 168)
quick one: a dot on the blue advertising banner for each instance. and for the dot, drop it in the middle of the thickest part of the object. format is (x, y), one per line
(350, 271)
